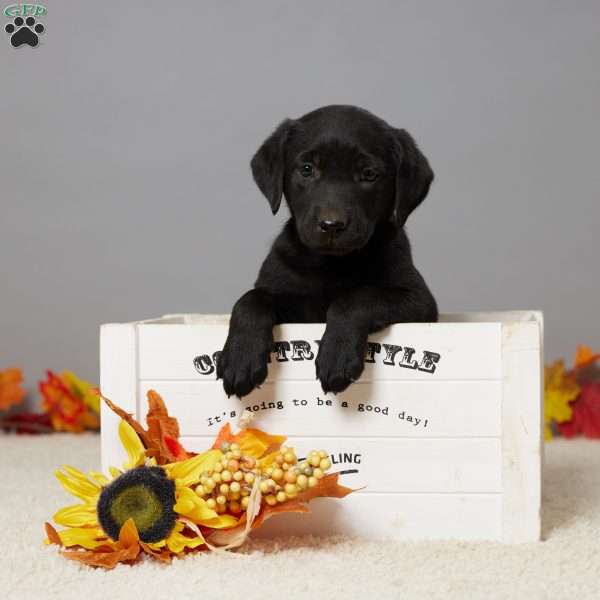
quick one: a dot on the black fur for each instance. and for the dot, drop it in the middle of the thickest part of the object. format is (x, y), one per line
(343, 257)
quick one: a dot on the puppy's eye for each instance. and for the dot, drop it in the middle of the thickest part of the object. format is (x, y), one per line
(307, 170)
(368, 174)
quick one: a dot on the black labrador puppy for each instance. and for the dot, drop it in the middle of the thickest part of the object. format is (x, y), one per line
(350, 181)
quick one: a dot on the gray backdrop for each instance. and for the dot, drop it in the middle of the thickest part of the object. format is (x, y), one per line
(126, 136)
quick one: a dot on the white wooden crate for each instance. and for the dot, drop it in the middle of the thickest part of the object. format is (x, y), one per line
(444, 428)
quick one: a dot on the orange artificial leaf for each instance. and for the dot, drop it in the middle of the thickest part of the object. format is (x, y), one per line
(224, 435)
(128, 536)
(176, 449)
(237, 535)
(291, 506)
(585, 357)
(126, 550)
(11, 392)
(164, 554)
(53, 537)
(161, 439)
(158, 419)
(160, 427)
(327, 487)
(128, 418)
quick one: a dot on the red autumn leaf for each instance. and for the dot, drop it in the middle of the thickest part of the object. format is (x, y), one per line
(586, 414)
(26, 422)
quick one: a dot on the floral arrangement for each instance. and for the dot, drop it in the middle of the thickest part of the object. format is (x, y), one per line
(68, 404)
(572, 397)
(166, 501)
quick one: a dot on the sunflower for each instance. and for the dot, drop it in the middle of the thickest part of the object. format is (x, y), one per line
(157, 500)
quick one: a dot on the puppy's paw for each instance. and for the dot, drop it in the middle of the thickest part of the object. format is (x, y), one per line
(340, 361)
(243, 364)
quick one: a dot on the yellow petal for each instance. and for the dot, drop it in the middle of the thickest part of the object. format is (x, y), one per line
(187, 472)
(184, 506)
(269, 459)
(132, 444)
(88, 537)
(77, 483)
(100, 478)
(221, 522)
(177, 542)
(254, 442)
(77, 515)
(114, 472)
(190, 505)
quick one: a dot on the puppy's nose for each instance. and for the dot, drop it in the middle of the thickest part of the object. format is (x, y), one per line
(332, 226)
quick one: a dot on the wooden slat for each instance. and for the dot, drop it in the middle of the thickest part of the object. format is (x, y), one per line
(404, 465)
(522, 443)
(465, 350)
(406, 408)
(397, 516)
(118, 382)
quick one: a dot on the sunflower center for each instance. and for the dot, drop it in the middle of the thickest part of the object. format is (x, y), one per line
(144, 494)
(139, 503)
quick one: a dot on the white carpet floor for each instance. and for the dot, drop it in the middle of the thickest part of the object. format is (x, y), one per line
(565, 565)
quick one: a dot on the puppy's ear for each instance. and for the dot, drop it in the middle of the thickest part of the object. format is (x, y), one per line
(268, 164)
(413, 176)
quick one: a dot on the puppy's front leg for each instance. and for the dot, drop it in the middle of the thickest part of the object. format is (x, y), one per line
(340, 360)
(243, 363)
(352, 316)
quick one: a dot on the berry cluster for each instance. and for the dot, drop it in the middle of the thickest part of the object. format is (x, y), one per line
(227, 487)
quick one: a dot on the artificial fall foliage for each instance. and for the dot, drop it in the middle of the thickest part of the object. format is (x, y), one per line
(586, 414)
(71, 403)
(166, 501)
(68, 404)
(11, 390)
(572, 396)
(560, 389)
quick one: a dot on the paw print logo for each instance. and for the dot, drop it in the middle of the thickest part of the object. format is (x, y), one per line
(24, 31)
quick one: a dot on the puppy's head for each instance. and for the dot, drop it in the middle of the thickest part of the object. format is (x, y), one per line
(342, 171)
